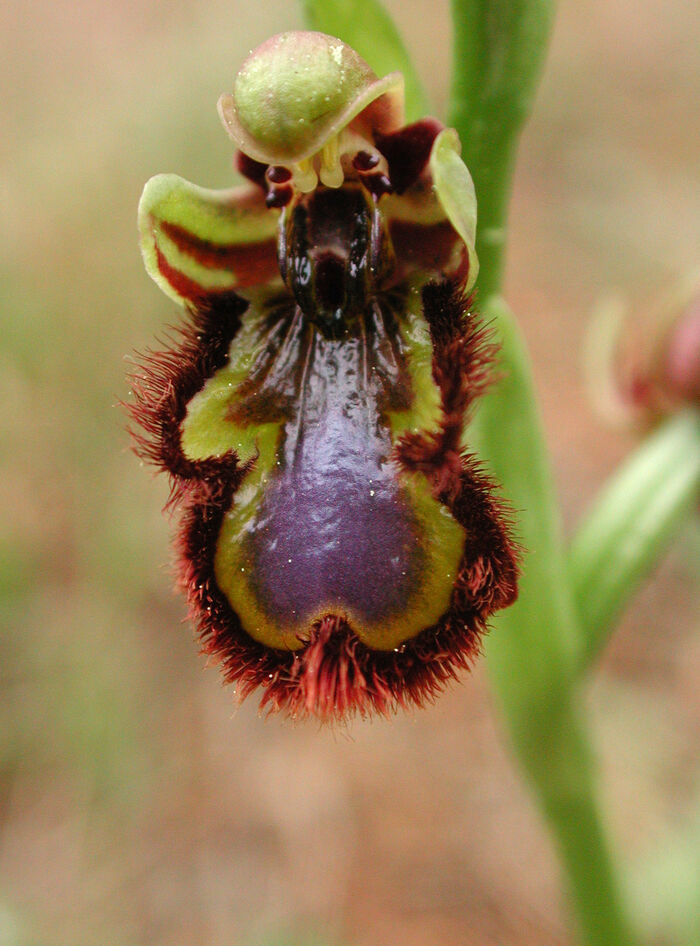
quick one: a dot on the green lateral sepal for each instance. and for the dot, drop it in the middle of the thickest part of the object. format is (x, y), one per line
(454, 189)
(198, 242)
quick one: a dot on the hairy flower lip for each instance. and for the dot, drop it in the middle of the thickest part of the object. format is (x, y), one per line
(333, 676)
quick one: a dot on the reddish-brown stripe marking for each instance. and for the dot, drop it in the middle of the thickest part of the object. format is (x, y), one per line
(184, 286)
(251, 263)
(423, 246)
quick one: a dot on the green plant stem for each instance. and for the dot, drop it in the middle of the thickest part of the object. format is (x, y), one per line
(498, 53)
(531, 648)
(630, 526)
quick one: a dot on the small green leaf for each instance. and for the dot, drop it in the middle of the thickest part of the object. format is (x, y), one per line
(367, 27)
(631, 525)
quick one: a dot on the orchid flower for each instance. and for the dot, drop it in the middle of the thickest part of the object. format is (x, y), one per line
(338, 543)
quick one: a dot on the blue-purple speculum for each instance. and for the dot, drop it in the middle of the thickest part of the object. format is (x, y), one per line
(337, 542)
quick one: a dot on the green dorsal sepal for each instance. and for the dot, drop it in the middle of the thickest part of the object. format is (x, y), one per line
(296, 93)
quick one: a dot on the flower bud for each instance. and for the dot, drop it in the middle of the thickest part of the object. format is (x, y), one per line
(642, 364)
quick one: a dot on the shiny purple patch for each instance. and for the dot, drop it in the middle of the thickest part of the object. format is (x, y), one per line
(340, 537)
(334, 528)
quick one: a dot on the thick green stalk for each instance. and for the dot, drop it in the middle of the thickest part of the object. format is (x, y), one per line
(630, 526)
(498, 53)
(530, 651)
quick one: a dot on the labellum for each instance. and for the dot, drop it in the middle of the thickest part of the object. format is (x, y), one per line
(338, 544)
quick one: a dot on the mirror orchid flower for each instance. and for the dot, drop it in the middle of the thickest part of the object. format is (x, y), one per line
(338, 544)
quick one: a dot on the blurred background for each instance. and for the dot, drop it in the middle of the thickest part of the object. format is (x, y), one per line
(138, 804)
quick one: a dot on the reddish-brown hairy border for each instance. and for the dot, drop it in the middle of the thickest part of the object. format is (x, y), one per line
(166, 380)
(334, 675)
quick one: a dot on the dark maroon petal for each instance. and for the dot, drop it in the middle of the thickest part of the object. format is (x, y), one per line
(334, 675)
(407, 151)
(253, 170)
